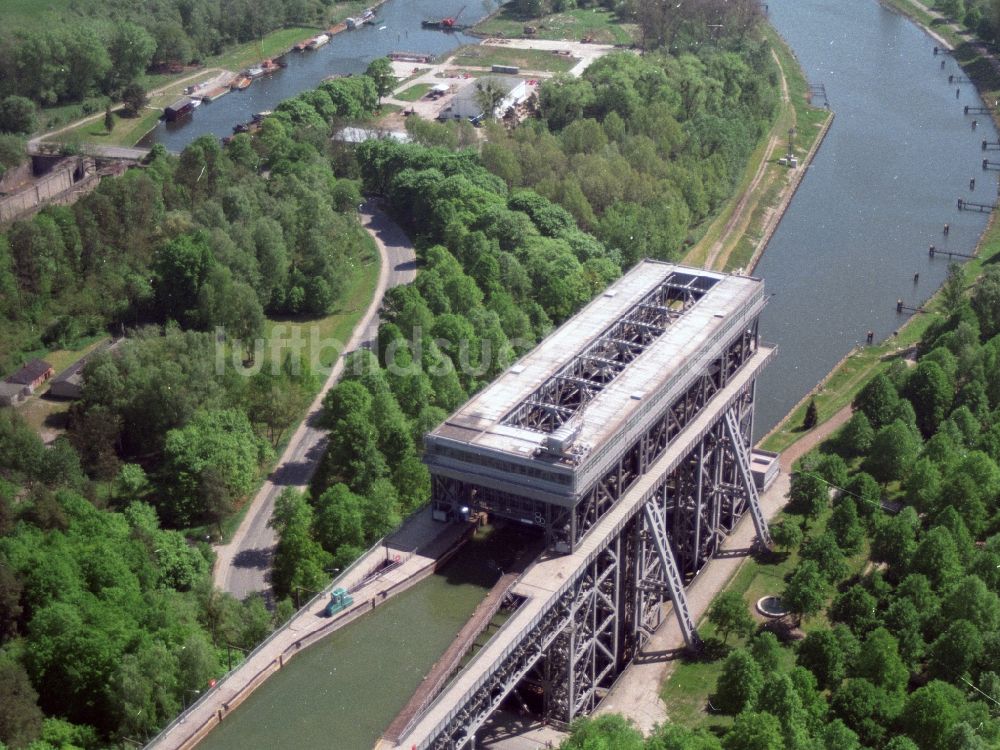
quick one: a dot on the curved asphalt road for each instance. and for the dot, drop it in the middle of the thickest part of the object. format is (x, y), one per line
(242, 565)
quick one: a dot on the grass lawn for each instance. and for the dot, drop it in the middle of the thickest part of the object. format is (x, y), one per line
(413, 93)
(272, 45)
(687, 689)
(484, 56)
(126, 132)
(359, 288)
(599, 24)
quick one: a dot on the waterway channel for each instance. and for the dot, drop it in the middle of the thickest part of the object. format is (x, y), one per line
(887, 178)
(899, 154)
(397, 29)
(342, 692)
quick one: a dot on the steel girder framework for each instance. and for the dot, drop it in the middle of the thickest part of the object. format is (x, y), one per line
(564, 527)
(578, 634)
(601, 497)
(565, 393)
(578, 646)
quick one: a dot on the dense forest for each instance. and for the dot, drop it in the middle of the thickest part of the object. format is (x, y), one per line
(901, 651)
(97, 47)
(264, 228)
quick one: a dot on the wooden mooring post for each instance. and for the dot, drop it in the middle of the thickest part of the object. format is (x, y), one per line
(991, 145)
(901, 308)
(983, 208)
(932, 251)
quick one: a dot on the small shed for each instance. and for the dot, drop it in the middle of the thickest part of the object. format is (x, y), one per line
(32, 375)
(69, 383)
(178, 109)
(11, 393)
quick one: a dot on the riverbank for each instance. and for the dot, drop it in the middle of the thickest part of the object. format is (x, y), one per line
(737, 237)
(838, 388)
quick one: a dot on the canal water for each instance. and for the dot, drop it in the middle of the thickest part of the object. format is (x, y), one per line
(342, 692)
(898, 156)
(397, 29)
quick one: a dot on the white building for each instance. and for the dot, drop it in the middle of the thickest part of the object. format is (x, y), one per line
(465, 105)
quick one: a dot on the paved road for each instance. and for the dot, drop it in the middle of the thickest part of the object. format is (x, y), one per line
(242, 566)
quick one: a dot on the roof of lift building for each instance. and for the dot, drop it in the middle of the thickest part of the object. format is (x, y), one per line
(493, 419)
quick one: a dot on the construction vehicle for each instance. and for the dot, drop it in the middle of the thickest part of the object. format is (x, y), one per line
(339, 600)
(449, 22)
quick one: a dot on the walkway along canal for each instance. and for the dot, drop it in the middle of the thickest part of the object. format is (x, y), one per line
(881, 188)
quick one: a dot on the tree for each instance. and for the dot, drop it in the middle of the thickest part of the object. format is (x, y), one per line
(787, 534)
(380, 71)
(879, 662)
(823, 550)
(855, 438)
(221, 441)
(339, 519)
(754, 731)
(490, 93)
(739, 683)
(134, 98)
(893, 452)
(865, 708)
(20, 717)
(806, 590)
(856, 608)
(956, 651)
(822, 654)
(131, 49)
(808, 493)
(877, 401)
(986, 303)
(729, 614)
(109, 119)
(298, 559)
(17, 115)
(895, 539)
(845, 526)
(930, 714)
(936, 557)
(766, 651)
(812, 415)
(610, 732)
(931, 392)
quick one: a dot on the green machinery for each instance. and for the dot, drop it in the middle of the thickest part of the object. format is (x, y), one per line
(339, 600)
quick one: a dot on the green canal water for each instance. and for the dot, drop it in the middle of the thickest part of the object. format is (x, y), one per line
(342, 692)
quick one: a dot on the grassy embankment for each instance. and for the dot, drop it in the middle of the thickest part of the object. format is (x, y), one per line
(742, 240)
(687, 690)
(485, 56)
(597, 24)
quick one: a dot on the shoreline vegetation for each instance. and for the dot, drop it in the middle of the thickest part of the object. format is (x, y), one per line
(838, 388)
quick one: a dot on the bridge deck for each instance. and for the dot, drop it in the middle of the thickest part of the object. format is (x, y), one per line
(546, 580)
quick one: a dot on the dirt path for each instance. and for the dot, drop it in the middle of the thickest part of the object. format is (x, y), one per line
(741, 215)
(33, 143)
